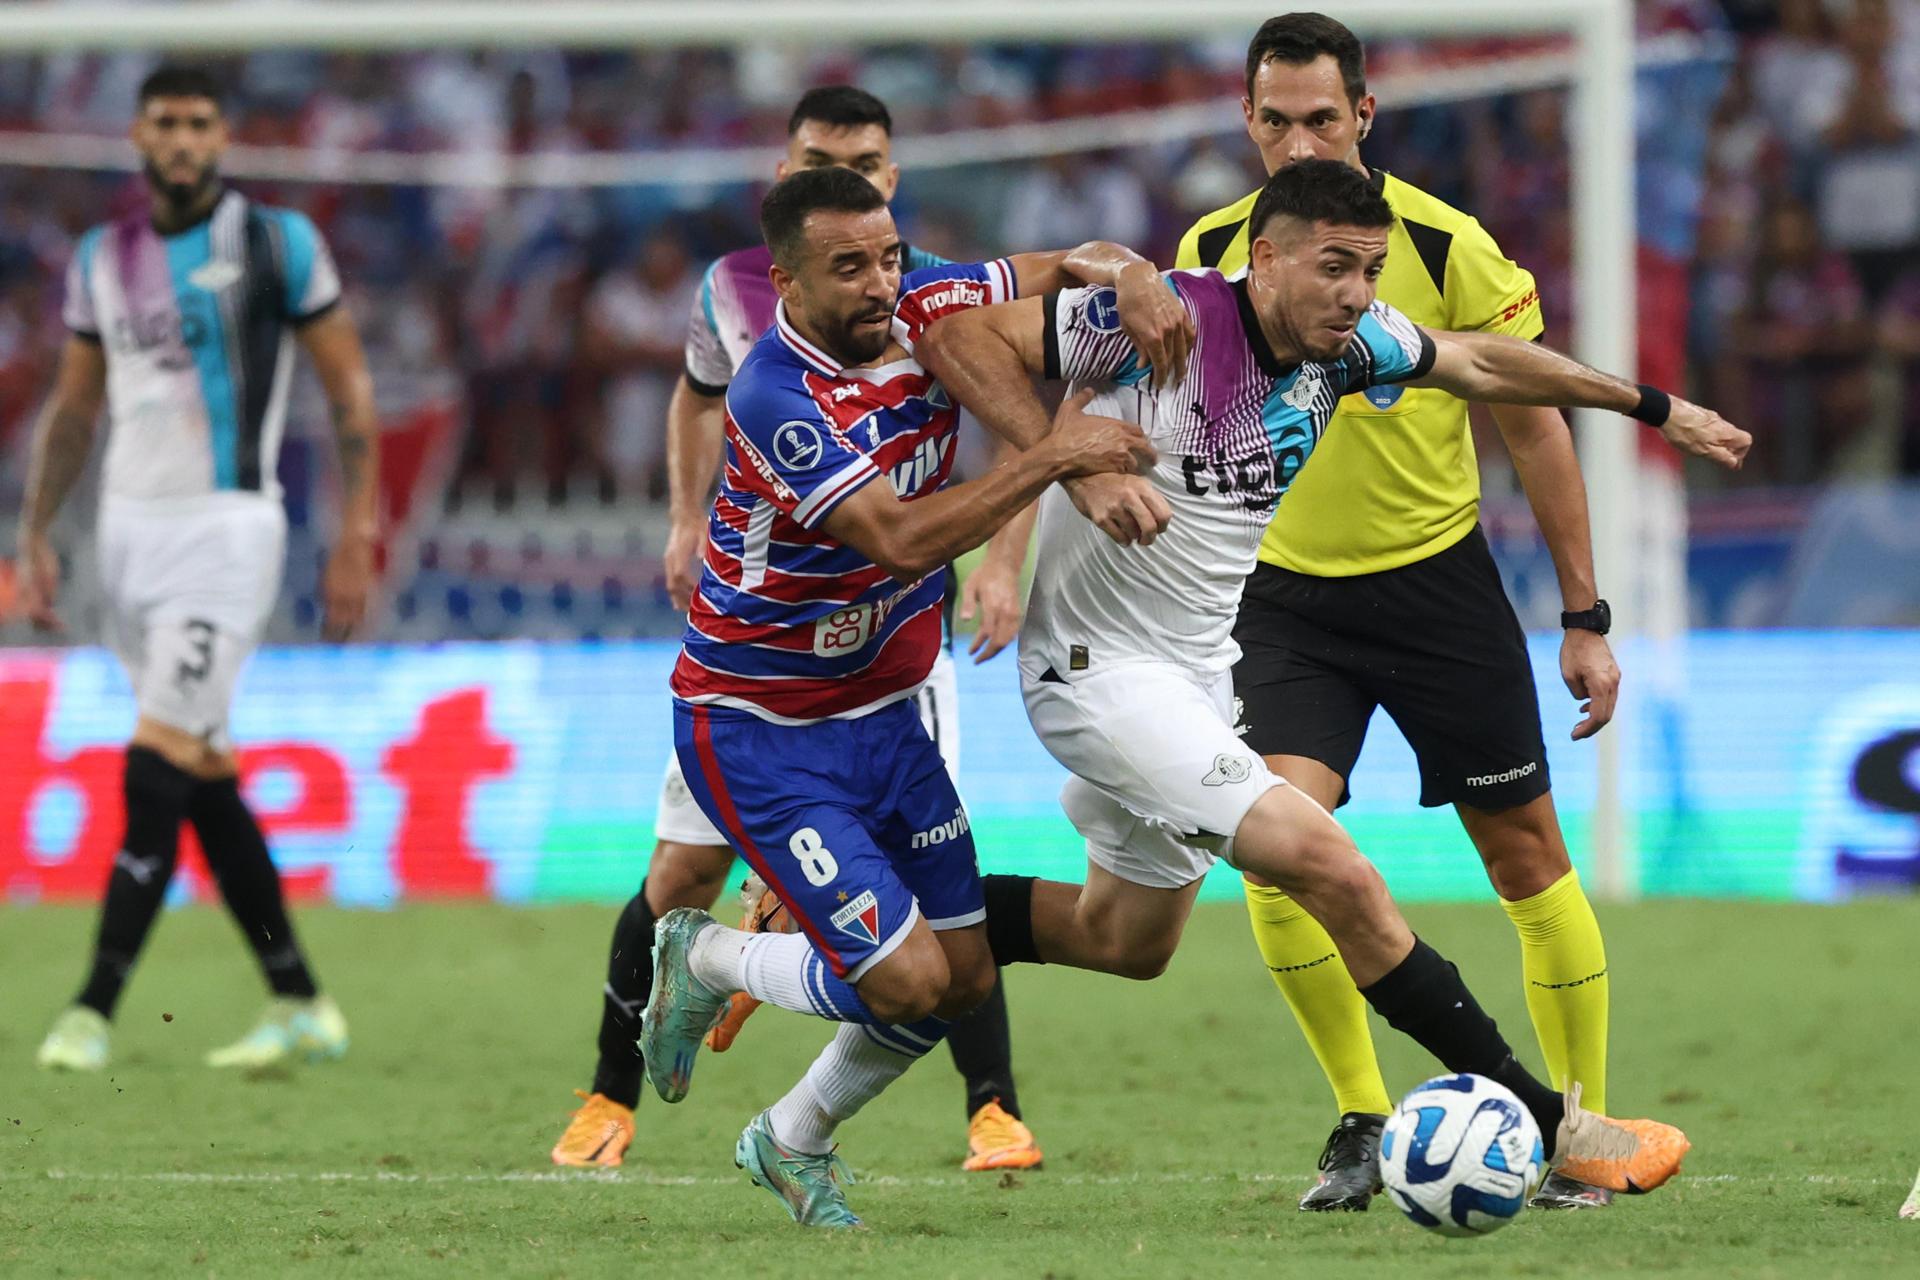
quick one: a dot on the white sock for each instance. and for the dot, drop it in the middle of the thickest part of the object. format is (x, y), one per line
(767, 966)
(849, 1073)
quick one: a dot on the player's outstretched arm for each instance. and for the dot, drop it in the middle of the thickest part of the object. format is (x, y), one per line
(62, 439)
(1150, 313)
(1495, 369)
(333, 344)
(912, 539)
(696, 440)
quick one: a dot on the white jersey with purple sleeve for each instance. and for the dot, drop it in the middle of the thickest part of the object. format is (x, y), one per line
(1231, 437)
(198, 329)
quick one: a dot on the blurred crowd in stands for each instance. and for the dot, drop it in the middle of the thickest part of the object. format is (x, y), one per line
(1779, 190)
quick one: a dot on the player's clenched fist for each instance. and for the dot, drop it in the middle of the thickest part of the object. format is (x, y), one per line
(1127, 509)
(1154, 317)
(1091, 445)
(1701, 431)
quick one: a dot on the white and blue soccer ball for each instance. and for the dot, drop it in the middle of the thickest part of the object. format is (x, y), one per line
(1461, 1156)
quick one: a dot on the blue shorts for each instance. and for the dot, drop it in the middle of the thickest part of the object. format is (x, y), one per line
(854, 823)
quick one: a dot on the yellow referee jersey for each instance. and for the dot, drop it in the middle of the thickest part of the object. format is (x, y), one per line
(1395, 479)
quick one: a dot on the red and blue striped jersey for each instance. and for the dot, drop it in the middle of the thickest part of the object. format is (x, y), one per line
(788, 623)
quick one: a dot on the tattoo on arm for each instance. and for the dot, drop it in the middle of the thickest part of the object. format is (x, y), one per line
(354, 447)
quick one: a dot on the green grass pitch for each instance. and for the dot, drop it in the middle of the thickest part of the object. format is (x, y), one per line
(1180, 1117)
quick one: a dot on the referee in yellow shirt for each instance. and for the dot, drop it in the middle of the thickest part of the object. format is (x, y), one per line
(1376, 588)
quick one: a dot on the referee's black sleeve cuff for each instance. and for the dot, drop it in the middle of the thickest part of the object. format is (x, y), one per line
(1424, 365)
(86, 335)
(707, 389)
(1050, 337)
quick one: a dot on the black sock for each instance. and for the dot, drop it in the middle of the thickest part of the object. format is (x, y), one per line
(250, 884)
(1424, 997)
(156, 799)
(1010, 919)
(629, 983)
(982, 1047)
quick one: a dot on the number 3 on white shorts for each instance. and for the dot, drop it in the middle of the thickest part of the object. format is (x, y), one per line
(816, 860)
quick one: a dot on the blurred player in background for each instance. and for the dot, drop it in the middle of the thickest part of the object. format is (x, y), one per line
(817, 618)
(183, 320)
(1127, 653)
(833, 126)
(1376, 588)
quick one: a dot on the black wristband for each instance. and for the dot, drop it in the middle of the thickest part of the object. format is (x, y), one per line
(1655, 406)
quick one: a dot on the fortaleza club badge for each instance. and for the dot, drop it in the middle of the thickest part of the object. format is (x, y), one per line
(861, 918)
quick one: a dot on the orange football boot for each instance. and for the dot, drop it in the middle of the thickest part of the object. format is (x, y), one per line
(1633, 1156)
(997, 1140)
(599, 1133)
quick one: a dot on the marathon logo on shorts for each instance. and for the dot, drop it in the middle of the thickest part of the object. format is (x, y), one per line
(1228, 770)
(1511, 775)
(952, 829)
(860, 918)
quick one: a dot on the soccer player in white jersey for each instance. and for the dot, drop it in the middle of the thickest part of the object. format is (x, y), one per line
(183, 318)
(1127, 653)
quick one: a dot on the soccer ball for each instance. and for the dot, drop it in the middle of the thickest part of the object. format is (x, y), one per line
(1460, 1155)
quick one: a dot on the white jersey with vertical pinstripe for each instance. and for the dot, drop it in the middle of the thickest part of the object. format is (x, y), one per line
(1231, 437)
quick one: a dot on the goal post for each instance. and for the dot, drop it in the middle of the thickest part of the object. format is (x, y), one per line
(1601, 130)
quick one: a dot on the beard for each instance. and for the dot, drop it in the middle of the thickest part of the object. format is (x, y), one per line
(181, 195)
(855, 343)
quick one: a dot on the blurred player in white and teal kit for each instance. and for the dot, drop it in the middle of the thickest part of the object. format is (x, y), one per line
(183, 317)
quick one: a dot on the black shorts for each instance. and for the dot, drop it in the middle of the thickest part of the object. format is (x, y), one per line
(1435, 643)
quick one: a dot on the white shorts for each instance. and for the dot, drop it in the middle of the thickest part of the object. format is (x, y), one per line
(189, 587)
(1161, 779)
(680, 819)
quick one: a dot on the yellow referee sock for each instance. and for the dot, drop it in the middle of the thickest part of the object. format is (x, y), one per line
(1564, 963)
(1329, 1008)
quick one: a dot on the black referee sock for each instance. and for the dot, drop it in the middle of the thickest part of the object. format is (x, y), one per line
(982, 1048)
(1425, 998)
(156, 799)
(250, 884)
(629, 983)
(1009, 902)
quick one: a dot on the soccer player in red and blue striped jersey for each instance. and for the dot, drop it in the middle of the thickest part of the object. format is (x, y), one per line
(816, 618)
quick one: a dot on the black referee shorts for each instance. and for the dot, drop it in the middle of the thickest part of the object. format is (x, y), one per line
(1435, 643)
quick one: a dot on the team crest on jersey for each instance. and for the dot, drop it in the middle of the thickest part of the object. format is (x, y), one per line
(1103, 311)
(1228, 770)
(214, 276)
(1305, 387)
(1384, 397)
(860, 918)
(798, 446)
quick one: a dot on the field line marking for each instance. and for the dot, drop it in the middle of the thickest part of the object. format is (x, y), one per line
(634, 1178)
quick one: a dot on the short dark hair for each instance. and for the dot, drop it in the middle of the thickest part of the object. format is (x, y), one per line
(784, 211)
(1300, 38)
(842, 106)
(1320, 191)
(175, 81)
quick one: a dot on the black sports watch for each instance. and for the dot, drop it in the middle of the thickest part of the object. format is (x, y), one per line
(1597, 619)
